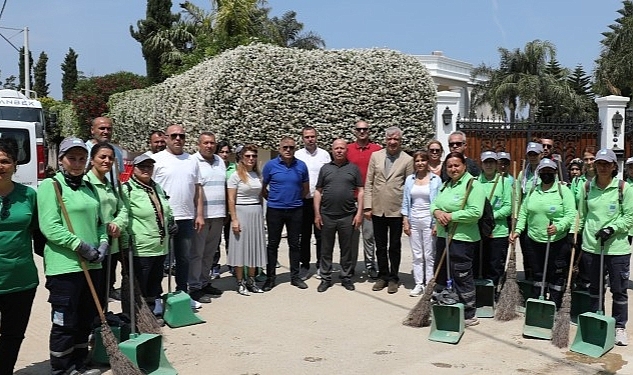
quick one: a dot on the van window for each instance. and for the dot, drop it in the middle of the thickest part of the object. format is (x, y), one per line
(21, 137)
(20, 114)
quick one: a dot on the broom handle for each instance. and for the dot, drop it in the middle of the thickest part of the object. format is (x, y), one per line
(130, 260)
(84, 267)
(573, 252)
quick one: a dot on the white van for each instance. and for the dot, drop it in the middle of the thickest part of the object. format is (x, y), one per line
(25, 135)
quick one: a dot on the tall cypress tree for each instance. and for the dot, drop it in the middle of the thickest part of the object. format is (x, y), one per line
(158, 16)
(39, 72)
(21, 68)
(69, 74)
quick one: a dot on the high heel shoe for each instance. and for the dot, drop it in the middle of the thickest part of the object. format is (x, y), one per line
(252, 287)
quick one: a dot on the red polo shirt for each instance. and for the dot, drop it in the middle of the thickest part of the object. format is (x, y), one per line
(360, 156)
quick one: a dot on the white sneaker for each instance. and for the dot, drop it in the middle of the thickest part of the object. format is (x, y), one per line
(417, 291)
(195, 304)
(318, 274)
(304, 274)
(620, 337)
(158, 306)
(471, 322)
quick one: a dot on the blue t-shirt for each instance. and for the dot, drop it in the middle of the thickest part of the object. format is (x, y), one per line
(285, 183)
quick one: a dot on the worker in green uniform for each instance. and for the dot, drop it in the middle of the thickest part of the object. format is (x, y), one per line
(547, 213)
(73, 310)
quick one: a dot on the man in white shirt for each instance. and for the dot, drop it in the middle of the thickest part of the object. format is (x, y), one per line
(178, 173)
(156, 142)
(206, 241)
(314, 157)
(101, 131)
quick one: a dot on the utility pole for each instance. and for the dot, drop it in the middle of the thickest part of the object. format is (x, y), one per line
(27, 68)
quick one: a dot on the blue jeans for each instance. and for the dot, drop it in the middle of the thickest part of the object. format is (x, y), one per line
(276, 218)
(182, 250)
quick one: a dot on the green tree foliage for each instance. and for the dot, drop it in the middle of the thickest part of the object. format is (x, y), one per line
(69, 74)
(158, 17)
(614, 67)
(21, 68)
(9, 83)
(522, 81)
(91, 95)
(41, 87)
(287, 32)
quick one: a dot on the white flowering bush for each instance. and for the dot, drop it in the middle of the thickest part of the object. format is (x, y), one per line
(259, 93)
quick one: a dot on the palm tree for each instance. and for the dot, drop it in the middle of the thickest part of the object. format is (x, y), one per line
(287, 33)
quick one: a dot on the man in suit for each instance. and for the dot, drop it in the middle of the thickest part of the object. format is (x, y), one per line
(386, 173)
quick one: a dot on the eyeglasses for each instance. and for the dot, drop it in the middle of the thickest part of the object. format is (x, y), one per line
(250, 156)
(288, 147)
(360, 130)
(547, 146)
(435, 150)
(6, 205)
(177, 135)
(455, 144)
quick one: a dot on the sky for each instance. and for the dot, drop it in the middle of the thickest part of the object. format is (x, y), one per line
(465, 30)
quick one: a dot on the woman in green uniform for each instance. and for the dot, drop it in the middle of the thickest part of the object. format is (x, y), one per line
(606, 215)
(18, 275)
(73, 310)
(460, 219)
(547, 213)
(113, 211)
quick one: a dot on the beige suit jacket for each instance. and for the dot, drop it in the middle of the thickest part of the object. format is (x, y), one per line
(383, 193)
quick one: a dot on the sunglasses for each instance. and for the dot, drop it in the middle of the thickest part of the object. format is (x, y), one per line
(177, 135)
(548, 146)
(435, 150)
(250, 156)
(288, 147)
(6, 205)
(360, 130)
(145, 167)
(455, 144)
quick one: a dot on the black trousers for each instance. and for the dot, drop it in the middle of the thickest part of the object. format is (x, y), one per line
(15, 310)
(73, 315)
(276, 219)
(557, 264)
(618, 269)
(461, 254)
(494, 252)
(388, 232)
(344, 227)
(148, 272)
(307, 226)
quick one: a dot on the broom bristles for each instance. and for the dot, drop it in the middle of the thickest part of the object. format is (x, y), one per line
(119, 363)
(560, 331)
(420, 314)
(510, 296)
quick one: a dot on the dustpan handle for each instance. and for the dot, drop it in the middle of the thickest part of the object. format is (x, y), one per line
(170, 260)
(547, 246)
(82, 261)
(600, 290)
(130, 262)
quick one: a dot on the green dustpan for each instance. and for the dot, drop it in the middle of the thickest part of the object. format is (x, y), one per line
(596, 333)
(178, 311)
(539, 318)
(143, 350)
(485, 298)
(447, 324)
(580, 303)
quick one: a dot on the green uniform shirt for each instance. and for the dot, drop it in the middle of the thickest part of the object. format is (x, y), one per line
(539, 207)
(17, 269)
(450, 199)
(60, 256)
(143, 225)
(602, 209)
(630, 183)
(501, 202)
(230, 169)
(112, 208)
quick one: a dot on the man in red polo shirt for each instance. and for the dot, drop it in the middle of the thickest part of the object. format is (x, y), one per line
(359, 153)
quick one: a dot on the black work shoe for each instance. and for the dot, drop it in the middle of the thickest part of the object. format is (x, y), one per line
(269, 284)
(325, 285)
(200, 296)
(373, 274)
(299, 283)
(210, 289)
(348, 284)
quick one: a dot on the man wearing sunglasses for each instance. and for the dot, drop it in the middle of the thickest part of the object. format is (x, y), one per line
(457, 143)
(358, 153)
(178, 173)
(285, 183)
(548, 152)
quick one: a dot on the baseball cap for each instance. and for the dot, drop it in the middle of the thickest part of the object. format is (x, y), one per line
(606, 155)
(629, 161)
(546, 163)
(488, 155)
(71, 142)
(503, 155)
(141, 158)
(579, 162)
(534, 147)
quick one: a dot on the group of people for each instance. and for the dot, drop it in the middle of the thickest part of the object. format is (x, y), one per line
(180, 204)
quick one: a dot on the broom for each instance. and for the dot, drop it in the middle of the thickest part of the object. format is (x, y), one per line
(510, 296)
(420, 314)
(560, 331)
(119, 363)
(146, 321)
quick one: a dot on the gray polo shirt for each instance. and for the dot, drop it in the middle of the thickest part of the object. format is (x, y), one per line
(339, 184)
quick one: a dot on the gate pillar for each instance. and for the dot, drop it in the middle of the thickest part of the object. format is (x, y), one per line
(450, 100)
(612, 133)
